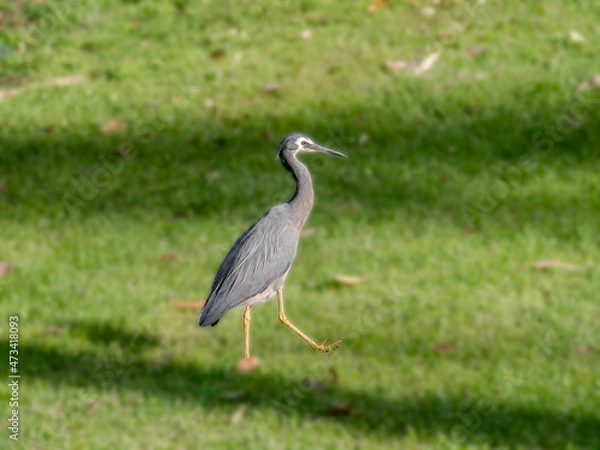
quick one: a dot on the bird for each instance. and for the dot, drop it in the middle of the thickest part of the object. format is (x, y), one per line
(256, 267)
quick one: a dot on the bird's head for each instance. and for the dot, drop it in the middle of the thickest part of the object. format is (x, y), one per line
(298, 143)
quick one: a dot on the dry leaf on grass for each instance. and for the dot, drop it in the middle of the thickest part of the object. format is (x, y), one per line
(584, 349)
(7, 93)
(339, 409)
(4, 268)
(68, 80)
(427, 63)
(396, 65)
(169, 257)
(247, 365)
(348, 279)
(306, 34)
(189, 304)
(54, 330)
(417, 66)
(445, 347)
(475, 50)
(271, 88)
(112, 126)
(239, 413)
(427, 11)
(592, 83)
(376, 5)
(216, 54)
(354, 206)
(576, 37)
(553, 265)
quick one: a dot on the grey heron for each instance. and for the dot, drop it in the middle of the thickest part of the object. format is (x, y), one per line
(257, 265)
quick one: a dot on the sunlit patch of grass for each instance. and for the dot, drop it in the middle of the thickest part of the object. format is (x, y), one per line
(452, 338)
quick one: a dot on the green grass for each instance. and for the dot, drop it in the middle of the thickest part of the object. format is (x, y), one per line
(451, 341)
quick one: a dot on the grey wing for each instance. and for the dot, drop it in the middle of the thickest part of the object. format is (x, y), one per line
(259, 257)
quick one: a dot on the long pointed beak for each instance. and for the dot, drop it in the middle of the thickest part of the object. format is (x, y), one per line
(321, 149)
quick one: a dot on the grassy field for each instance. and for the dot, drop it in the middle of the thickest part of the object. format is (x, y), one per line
(137, 141)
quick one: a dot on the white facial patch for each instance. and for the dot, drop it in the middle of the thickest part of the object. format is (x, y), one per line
(301, 147)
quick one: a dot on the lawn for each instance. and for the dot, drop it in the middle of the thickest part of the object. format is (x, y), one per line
(456, 250)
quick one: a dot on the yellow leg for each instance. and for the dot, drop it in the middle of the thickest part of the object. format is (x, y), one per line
(247, 332)
(291, 326)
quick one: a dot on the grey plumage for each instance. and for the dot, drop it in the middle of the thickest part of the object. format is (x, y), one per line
(260, 257)
(255, 268)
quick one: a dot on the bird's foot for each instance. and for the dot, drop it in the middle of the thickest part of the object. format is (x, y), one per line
(247, 365)
(327, 348)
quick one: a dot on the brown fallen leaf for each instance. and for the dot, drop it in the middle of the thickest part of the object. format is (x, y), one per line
(54, 330)
(271, 88)
(239, 413)
(584, 349)
(49, 129)
(397, 65)
(306, 34)
(475, 50)
(68, 80)
(427, 63)
(445, 347)
(576, 37)
(354, 206)
(427, 11)
(339, 410)
(247, 365)
(592, 83)
(376, 5)
(169, 257)
(7, 93)
(548, 264)
(216, 54)
(416, 66)
(112, 126)
(348, 279)
(4, 268)
(189, 304)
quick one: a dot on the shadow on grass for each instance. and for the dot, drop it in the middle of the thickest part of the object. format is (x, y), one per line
(107, 334)
(420, 166)
(499, 423)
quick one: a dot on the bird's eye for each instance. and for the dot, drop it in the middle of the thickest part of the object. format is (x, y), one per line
(304, 142)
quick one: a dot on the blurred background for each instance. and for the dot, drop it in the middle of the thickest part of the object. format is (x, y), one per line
(456, 249)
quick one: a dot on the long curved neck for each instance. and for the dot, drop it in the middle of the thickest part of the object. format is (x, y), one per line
(302, 202)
